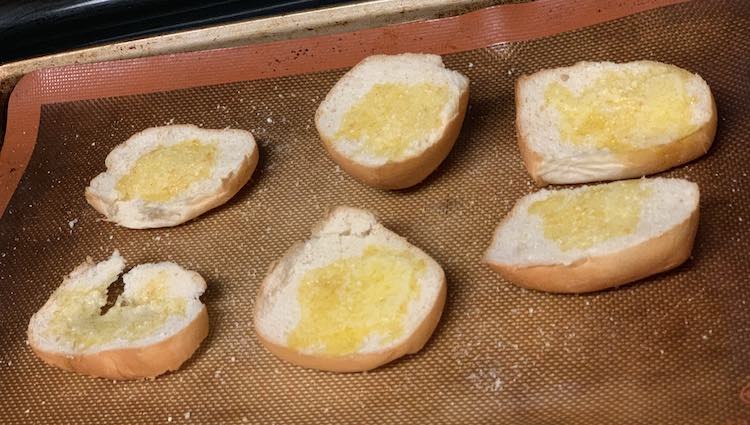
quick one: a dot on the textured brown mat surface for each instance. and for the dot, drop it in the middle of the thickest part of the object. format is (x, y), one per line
(674, 348)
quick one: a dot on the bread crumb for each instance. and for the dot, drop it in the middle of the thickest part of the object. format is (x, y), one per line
(157, 238)
(72, 223)
(471, 65)
(487, 380)
(27, 411)
(187, 415)
(269, 120)
(169, 419)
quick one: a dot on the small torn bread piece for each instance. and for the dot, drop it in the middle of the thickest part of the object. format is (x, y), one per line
(597, 121)
(351, 298)
(391, 120)
(154, 326)
(596, 237)
(165, 176)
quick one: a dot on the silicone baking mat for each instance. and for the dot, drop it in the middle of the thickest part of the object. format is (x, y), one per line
(673, 348)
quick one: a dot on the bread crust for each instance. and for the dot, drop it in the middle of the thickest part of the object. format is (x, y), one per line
(124, 215)
(406, 172)
(353, 362)
(661, 253)
(637, 163)
(133, 362)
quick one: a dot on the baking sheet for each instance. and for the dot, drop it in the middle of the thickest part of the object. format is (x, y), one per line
(674, 348)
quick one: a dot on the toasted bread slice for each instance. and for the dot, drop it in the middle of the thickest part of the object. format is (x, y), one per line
(391, 120)
(596, 237)
(351, 298)
(597, 121)
(165, 176)
(154, 326)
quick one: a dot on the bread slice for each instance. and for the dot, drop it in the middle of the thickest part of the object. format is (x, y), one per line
(154, 326)
(391, 120)
(596, 237)
(596, 121)
(351, 298)
(165, 176)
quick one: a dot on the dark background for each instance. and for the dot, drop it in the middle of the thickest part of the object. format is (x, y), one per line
(33, 28)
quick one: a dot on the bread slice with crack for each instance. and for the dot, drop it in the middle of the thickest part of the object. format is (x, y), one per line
(595, 237)
(392, 119)
(597, 121)
(154, 326)
(165, 176)
(351, 298)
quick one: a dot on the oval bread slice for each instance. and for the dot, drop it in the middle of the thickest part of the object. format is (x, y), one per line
(391, 120)
(596, 237)
(596, 121)
(154, 326)
(165, 176)
(351, 298)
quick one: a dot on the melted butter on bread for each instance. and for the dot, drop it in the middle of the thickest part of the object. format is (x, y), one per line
(625, 110)
(390, 117)
(163, 173)
(77, 314)
(581, 220)
(352, 299)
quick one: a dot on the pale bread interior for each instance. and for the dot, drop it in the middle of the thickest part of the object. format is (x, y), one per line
(233, 148)
(181, 283)
(346, 233)
(406, 68)
(540, 122)
(520, 239)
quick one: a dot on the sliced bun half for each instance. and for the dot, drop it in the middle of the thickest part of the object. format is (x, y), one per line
(596, 237)
(154, 326)
(351, 298)
(391, 120)
(165, 176)
(596, 121)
